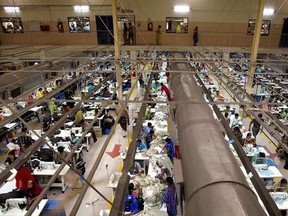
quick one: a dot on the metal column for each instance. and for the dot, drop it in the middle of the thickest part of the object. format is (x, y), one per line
(255, 45)
(117, 48)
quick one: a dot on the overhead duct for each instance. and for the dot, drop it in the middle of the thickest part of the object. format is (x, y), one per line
(213, 182)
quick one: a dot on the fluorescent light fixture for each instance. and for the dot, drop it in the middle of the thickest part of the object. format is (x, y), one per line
(268, 11)
(181, 8)
(81, 8)
(12, 9)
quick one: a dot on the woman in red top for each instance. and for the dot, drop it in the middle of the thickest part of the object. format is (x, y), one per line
(26, 183)
(166, 90)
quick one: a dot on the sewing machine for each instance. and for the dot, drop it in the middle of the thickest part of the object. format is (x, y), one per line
(14, 203)
(280, 198)
(260, 167)
(17, 207)
(113, 180)
(48, 165)
(48, 169)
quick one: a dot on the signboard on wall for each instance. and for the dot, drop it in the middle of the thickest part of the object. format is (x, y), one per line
(265, 27)
(79, 24)
(12, 25)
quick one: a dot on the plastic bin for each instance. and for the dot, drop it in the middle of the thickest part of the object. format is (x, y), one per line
(107, 131)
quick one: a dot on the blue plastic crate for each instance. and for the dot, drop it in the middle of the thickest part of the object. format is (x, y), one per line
(107, 131)
(54, 207)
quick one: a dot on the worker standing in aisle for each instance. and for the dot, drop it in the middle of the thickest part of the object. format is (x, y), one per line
(178, 28)
(169, 148)
(256, 125)
(125, 33)
(130, 34)
(195, 36)
(158, 35)
(170, 197)
(166, 90)
(24, 139)
(124, 122)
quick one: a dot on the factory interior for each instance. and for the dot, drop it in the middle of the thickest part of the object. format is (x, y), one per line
(155, 108)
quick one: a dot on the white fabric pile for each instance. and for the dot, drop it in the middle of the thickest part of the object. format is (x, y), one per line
(152, 212)
(160, 116)
(156, 147)
(162, 108)
(161, 134)
(152, 194)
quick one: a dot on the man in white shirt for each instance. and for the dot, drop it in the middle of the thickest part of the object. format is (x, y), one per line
(235, 120)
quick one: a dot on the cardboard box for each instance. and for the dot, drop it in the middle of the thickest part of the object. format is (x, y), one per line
(98, 131)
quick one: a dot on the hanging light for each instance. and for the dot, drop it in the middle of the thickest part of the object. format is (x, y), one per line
(181, 8)
(12, 9)
(268, 12)
(81, 8)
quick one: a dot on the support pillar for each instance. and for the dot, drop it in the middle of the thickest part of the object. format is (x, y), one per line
(255, 45)
(117, 49)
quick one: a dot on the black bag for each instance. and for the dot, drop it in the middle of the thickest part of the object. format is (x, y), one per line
(46, 155)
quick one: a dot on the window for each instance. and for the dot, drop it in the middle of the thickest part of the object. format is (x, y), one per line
(265, 27)
(176, 25)
(79, 24)
(12, 25)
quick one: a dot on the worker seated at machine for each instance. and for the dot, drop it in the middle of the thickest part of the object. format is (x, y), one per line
(280, 186)
(218, 97)
(284, 113)
(137, 169)
(26, 187)
(106, 92)
(73, 139)
(249, 140)
(260, 159)
(227, 109)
